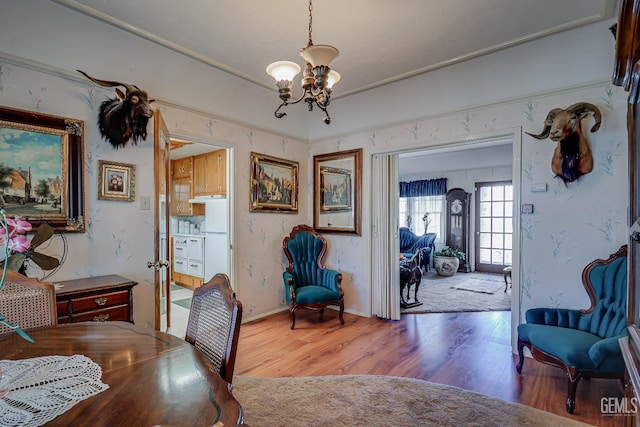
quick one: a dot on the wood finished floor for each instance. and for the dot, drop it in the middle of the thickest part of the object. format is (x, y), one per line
(471, 350)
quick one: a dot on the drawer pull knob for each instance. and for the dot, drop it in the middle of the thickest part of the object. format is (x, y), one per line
(101, 301)
(101, 318)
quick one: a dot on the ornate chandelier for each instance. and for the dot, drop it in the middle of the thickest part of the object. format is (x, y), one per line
(318, 78)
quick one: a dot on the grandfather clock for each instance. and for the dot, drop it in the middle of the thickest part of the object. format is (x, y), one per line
(457, 224)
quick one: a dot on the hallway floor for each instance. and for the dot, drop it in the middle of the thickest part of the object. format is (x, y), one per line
(179, 313)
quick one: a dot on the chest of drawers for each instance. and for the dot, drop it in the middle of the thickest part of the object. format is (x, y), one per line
(99, 299)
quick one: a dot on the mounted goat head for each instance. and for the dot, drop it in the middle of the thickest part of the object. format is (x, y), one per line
(572, 156)
(124, 117)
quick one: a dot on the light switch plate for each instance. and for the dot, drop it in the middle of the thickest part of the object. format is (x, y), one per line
(145, 203)
(527, 208)
(540, 187)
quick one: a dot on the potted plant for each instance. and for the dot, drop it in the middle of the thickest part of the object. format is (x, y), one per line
(447, 260)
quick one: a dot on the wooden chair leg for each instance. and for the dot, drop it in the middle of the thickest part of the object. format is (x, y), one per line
(573, 378)
(521, 345)
(292, 316)
(571, 399)
(340, 314)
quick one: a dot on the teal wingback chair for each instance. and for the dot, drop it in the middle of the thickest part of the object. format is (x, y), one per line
(584, 343)
(307, 282)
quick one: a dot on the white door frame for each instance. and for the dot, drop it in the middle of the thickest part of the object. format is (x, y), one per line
(460, 143)
(230, 194)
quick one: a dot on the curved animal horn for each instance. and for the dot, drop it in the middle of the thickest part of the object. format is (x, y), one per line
(107, 83)
(582, 107)
(547, 124)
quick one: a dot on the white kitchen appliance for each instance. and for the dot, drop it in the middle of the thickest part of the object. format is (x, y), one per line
(214, 229)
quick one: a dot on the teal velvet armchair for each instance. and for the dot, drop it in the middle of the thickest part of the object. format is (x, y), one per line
(307, 282)
(584, 343)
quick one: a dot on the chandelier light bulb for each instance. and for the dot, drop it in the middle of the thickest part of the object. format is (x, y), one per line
(319, 54)
(283, 70)
(333, 78)
(317, 79)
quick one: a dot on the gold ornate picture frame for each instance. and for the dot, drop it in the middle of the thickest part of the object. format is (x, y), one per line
(42, 168)
(116, 181)
(274, 184)
(337, 192)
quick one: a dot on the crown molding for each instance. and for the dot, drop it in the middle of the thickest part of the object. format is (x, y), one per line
(75, 77)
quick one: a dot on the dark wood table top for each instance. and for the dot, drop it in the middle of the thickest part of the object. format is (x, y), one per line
(93, 284)
(154, 378)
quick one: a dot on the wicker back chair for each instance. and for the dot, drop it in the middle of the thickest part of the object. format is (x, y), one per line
(27, 302)
(214, 323)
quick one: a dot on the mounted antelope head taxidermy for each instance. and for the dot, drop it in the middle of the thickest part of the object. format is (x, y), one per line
(572, 157)
(124, 117)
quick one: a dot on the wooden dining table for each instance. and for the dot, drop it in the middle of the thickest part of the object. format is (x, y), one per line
(154, 378)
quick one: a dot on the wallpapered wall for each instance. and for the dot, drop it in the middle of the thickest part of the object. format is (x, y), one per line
(571, 225)
(119, 237)
(259, 259)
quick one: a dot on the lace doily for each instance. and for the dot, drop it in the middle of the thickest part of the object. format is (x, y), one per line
(41, 388)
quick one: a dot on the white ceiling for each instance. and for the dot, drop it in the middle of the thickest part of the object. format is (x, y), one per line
(380, 41)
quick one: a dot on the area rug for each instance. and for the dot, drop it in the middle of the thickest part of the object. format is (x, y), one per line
(186, 303)
(489, 287)
(375, 400)
(472, 292)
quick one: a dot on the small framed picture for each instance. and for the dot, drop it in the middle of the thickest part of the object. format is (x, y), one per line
(116, 181)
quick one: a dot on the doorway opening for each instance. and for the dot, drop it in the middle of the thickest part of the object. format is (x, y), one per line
(199, 222)
(449, 157)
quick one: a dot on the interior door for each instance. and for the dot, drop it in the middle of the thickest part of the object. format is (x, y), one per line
(494, 226)
(161, 263)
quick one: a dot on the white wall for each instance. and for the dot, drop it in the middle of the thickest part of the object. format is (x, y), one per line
(512, 88)
(562, 60)
(571, 225)
(119, 236)
(51, 34)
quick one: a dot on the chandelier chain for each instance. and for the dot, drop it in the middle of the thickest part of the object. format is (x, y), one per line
(310, 22)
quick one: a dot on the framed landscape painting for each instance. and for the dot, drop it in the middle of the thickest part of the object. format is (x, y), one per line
(41, 168)
(337, 192)
(335, 187)
(274, 184)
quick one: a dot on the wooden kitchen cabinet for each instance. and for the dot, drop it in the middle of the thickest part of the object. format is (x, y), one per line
(182, 188)
(210, 173)
(98, 299)
(182, 168)
(188, 261)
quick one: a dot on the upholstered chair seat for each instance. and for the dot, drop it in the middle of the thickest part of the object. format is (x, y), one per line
(584, 343)
(307, 282)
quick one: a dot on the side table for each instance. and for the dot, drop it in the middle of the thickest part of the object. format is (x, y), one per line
(98, 299)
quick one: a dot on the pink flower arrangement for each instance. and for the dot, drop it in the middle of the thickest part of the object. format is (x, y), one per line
(15, 231)
(14, 240)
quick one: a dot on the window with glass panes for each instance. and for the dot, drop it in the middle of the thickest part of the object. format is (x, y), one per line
(416, 207)
(494, 214)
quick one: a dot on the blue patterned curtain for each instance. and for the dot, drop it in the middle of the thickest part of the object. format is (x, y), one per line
(425, 187)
